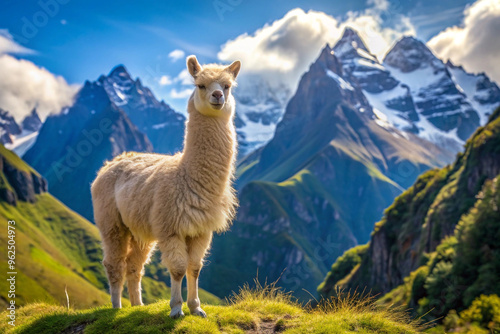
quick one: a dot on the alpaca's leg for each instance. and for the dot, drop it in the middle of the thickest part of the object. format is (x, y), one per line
(137, 257)
(115, 245)
(175, 258)
(197, 248)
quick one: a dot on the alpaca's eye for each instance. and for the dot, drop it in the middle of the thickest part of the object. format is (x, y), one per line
(201, 86)
(226, 87)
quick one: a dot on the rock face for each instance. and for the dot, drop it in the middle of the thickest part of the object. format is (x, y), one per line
(483, 93)
(309, 192)
(19, 182)
(440, 103)
(32, 122)
(8, 127)
(360, 66)
(74, 144)
(416, 223)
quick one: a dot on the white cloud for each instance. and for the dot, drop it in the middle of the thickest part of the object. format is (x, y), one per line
(381, 5)
(184, 78)
(282, 50)
(475, 44)
(182, 94)
(165, 80)
(176, 55)
(7, 45)
(24, 86)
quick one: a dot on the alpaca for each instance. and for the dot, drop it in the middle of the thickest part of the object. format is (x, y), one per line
(175, 202)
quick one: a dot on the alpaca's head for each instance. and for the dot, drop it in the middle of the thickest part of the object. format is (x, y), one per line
(212, 95)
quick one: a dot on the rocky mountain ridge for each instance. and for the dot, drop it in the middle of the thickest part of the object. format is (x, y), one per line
(415, 91)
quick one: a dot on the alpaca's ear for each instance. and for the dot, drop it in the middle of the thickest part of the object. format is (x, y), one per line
(193, 66)
(234, 68)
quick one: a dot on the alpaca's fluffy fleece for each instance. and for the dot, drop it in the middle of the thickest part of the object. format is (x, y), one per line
(178, 201)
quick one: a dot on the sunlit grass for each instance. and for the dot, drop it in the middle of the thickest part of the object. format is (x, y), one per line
(249, 310)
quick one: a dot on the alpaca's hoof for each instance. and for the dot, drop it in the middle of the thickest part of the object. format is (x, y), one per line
(199, 312)
(176, 313)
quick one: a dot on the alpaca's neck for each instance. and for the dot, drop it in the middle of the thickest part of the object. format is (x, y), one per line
(209, 150)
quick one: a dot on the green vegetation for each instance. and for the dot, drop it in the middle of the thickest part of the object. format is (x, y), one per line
(341, 268)
(467, 264)
(464, 268)
(260, 310)
(55, 248)
(15, 161)
(438, 245)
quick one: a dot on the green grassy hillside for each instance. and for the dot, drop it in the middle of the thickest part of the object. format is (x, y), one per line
(437, 248)
(463, 270)
(54, 248)
(252, 311)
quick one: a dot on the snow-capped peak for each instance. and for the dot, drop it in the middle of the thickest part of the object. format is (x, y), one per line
(351, 45)
(410, 54)
(120, 71)
(360, 65)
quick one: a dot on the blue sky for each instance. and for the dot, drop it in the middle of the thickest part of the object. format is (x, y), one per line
(82, 39)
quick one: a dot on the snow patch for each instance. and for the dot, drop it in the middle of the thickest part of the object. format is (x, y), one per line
(342, 83)
(22, 142)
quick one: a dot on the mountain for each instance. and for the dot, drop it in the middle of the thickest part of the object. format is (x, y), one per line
(483, 93)
(317, 187)
(25, 136)
(163, 126)
(436, 249)
(259, 108)
(360, 66)
(72, 145)
(8, 127)
(32, 122)
(415, 91)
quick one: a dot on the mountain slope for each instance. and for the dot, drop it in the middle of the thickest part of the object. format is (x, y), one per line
(437, 246)
(317, 187)
(54, 246)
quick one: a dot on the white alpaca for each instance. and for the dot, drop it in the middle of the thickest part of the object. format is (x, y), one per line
(178, 201)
